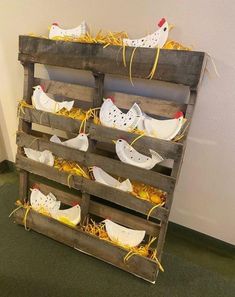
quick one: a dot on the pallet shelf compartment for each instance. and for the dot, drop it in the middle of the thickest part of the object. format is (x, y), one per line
(183, 68)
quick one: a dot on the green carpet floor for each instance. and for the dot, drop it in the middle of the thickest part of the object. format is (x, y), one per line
(32, 265)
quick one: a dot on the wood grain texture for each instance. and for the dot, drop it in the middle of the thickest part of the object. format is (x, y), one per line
(68, 90)
(183, 67)
(91, 187)
(101, 210)
(88, 244)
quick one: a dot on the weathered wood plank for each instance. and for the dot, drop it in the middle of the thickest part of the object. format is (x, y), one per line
(50, 120)
(91, 187)
(73, 91)
(102, 210)
(88, 159)
(25, 126)
(99, 87)
(183, 67)
(91, 245)
(152, 106)
(85, 205)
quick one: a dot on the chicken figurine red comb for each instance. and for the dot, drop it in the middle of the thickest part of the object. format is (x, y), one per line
(178, 115)
(156, 39)
(163, 129)
(43, 88)
(161, 22)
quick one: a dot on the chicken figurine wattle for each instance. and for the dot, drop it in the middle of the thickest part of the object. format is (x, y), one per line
(127, 154)
(162, 129)
(56, 31)
(42, 101)
(157, 39)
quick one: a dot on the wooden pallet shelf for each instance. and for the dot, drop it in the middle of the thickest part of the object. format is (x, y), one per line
(179, 67)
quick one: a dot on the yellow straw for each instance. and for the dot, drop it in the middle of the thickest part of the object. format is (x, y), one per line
(130, 67)
(137, 138)
(152, 72)
(154, 207)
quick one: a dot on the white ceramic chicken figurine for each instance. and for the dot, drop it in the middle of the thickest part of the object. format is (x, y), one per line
(43, 102)
(44, 157)
(104, 178)
(127, 154)
(70, 216)
(38, 201)
(123, 235)
(163, 129)
(112, 116)
(157, 39)
(79, 142)
(56, 31)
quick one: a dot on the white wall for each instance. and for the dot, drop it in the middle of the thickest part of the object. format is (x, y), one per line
(205, 199)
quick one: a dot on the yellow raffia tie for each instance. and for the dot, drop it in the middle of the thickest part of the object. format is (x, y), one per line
(143, 251)
(68, 180)
(130, 66)
(41, 116)
(181, 135)
(137, 138)
(32, 142)
(124, 55)
(152, 72)
(154, 207)
(23, 104)
(25, 206)
(82, 171)
(90, 113)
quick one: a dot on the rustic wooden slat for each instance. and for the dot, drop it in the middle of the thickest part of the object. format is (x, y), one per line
(86, 243)
(25, 126)
(91, 187)
(152, 106)
(112, 166)
(102, 210)
(85, 205)
(161, 238)
(73, 91)
(50, 120)
(99, 87)
(183, 67)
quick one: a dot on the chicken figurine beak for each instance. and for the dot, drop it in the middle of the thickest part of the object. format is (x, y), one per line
(171, 26)
(114, 141)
